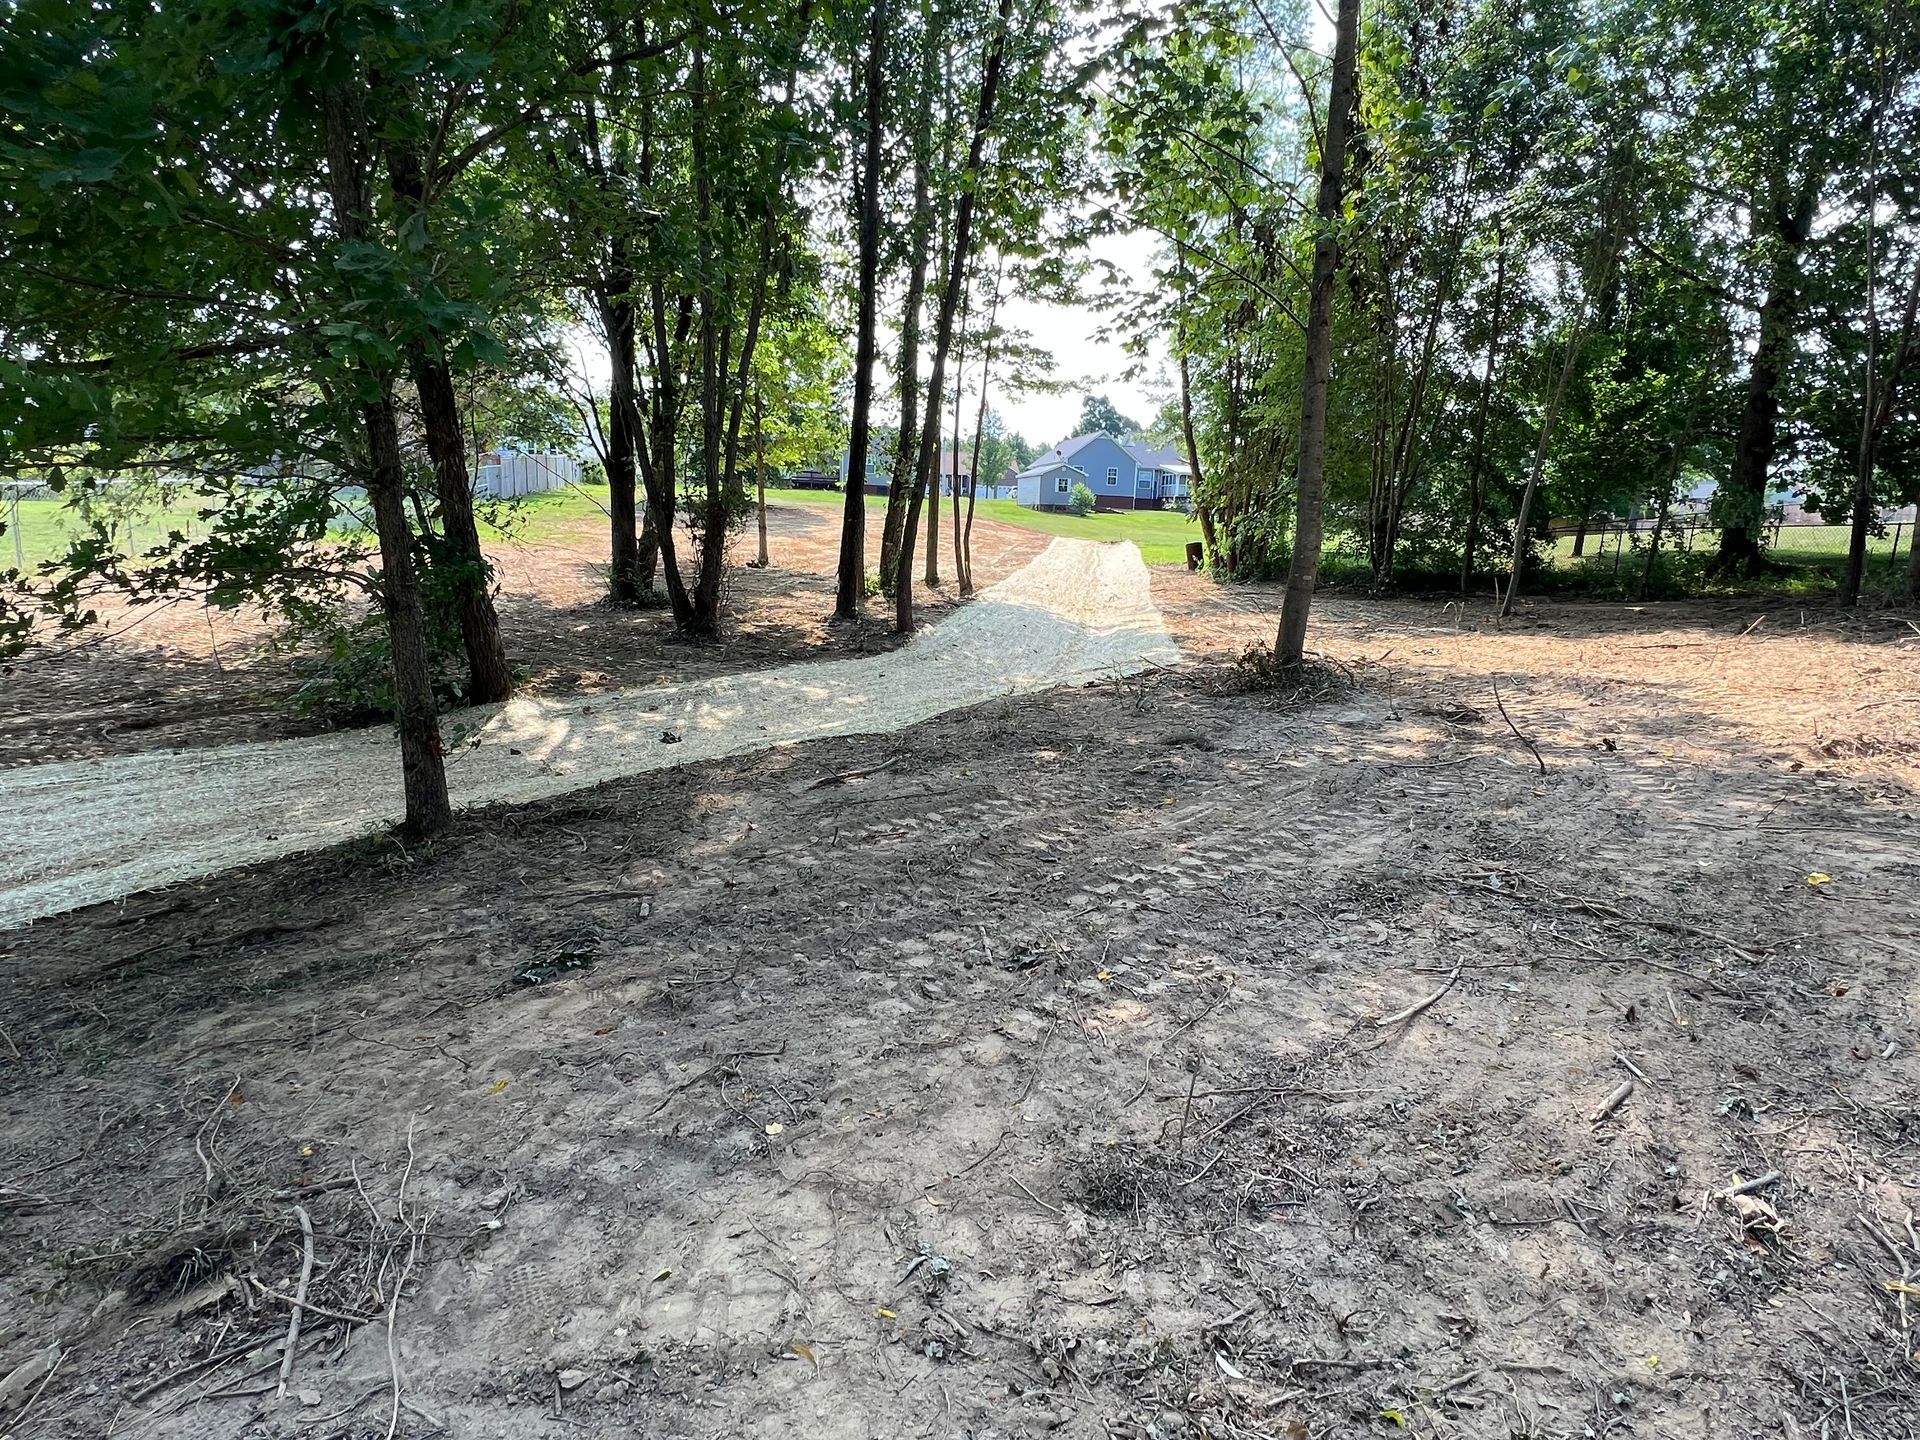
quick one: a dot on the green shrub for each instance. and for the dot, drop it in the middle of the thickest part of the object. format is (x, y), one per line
(1081, 501)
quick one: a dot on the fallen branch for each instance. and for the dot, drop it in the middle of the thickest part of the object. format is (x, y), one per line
(1414, 1009)
(344, 1316)
(212, 1123)
(1759, 1182)
(1050, 1209)
(1538, 758)
(299, 1301)
(1613, 1102)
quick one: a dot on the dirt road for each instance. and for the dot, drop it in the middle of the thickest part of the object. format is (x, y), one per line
(99, 829)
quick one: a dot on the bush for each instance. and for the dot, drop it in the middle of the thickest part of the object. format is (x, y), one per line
(1081, 501)
(344, 658)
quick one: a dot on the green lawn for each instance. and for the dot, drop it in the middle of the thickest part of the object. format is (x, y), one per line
(1162, 535)
(45, 526)
(41, 529)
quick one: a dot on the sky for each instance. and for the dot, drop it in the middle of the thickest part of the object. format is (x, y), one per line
(1085, 364)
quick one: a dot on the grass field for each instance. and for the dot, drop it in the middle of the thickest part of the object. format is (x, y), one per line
(1162, 535)
(1790, 543)
(41, 529)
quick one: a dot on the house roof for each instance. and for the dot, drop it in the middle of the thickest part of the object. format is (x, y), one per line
(1046, 466)
(1147, 457)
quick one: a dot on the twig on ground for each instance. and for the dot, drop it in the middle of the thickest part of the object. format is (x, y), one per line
(400, 1285)
(393, 1337)
(311, 1307)
(1050, 1209)
(1212, 1006)
(1613, 1102)
(1399, 1016)
(212, 1123)
(1193, 1080)
(299, 1300)
(1537, 757)
(1759, 1182)
(1634, 1069)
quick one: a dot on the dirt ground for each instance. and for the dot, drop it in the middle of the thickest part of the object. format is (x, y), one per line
(1063, 1077)
(181, 675)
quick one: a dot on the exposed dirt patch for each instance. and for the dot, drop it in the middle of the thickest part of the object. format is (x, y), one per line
(1032, 1085)
(175, 676)
(1790, 686)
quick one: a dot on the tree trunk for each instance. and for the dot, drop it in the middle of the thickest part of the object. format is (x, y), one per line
(852, 582)
(1476, 461)
(760, 472)
(422, 754)
(422, 761)
(1580, 531)
(1743, 510)
(1200, 508)
(1876, 412)
(489, 678)
(659, 460)
(1541, 449)
(901, 490)
(1911, 594)
(964, 535)
(1303, 568)
(949, 304)
(933, 505)
(623, 441)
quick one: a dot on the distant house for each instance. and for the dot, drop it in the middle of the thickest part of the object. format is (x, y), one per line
(955, 476)
(1122, 474)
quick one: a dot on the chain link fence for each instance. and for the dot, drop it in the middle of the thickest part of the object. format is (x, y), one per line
(1615, 543)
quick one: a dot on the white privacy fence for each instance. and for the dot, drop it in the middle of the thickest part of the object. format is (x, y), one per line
(504, 474)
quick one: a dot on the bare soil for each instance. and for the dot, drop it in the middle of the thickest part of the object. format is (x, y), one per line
(177, 676)
(1035, 1083)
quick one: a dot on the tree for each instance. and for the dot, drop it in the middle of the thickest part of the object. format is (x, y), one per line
(1098, 416)
(850, 588)
(1304, 570)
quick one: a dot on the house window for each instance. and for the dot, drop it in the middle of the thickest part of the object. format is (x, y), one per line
(1061, 485)
(1113, 474)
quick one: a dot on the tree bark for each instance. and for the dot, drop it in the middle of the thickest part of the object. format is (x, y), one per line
(1303, 567)
(963, 536)
(1200, 508)
(1476, 461)
(422, 760)
(850, 589)
(900, 484)
(760, 472)
(618, 319)
(489, 678)
(1743, 512)
(1541, 449)
(1876, 412)
(949, 304)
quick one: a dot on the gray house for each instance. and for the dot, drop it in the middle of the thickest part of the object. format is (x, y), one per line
(1122, 474)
